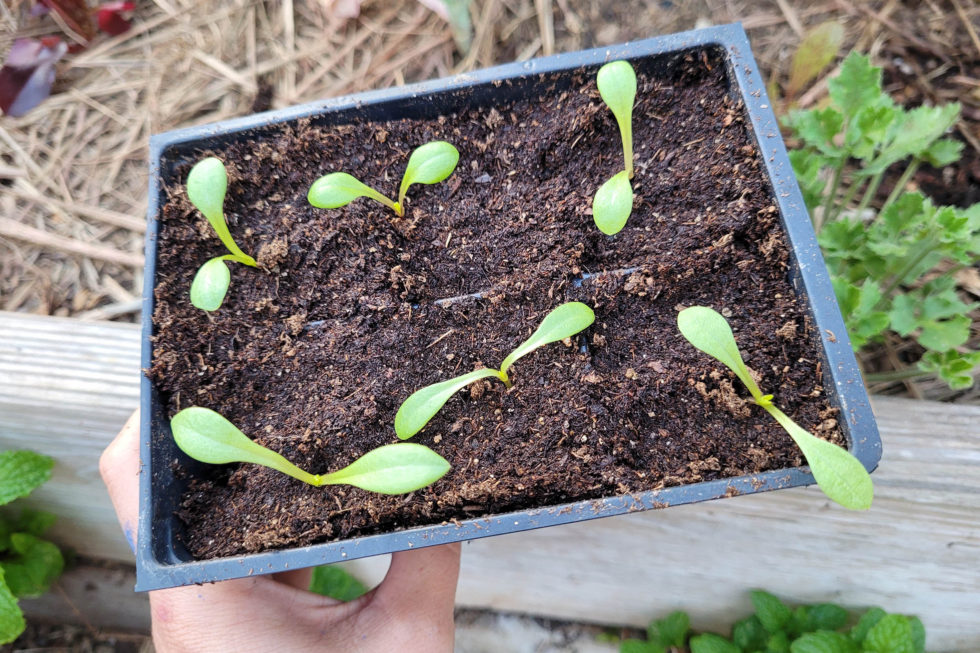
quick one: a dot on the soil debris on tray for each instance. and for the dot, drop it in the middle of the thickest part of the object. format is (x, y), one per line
(312, 354)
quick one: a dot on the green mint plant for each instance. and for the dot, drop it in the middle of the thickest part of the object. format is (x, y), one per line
(428, 164)
(839, 474)
(400, 468)
(884, 262)
(422, 405)
(337, 583)
(28, 564)
(777, 627)
(207, 184)
(613, 202)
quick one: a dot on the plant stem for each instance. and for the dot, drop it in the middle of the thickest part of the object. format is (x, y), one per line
(870, 193)
(506, 379)
(851, 192)
(829, 205)
(900, 184)
(897, 375)
(914, 261)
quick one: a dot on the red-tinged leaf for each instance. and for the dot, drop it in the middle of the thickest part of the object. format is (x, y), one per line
(27, 75)
(76, 15)
(111, 19)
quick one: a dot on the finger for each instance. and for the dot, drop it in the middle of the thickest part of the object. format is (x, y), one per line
(120, 467)
(427, 575)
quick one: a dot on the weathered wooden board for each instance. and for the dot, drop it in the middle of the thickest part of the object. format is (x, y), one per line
(67, 386)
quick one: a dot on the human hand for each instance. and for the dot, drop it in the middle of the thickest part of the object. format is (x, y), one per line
(411, 610)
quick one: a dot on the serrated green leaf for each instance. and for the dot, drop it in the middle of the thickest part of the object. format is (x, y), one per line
(639, 646)
(207, 436)
(943, 152)
(778, 643)
(207, 184)
(422, 405)
(613, 203)
(337, 583)
(868, 131)
(428, 164)
(339, 189)
(866, 623)
(943, 335)
(823, 641)
(671, 631)
(30, 521)
(825, 616)
(892, 634)
(839, 474)
(711, 643)
(21, 472)
(818, 128)
(807, 164)
(562, 322)
(918, 635)
(749, 635)
(392, 469)
(913, 135)
(815, 52)
(953, 367)
(617, 87)
(12, 622)
(773, 614)
(858, 84)
(707, 330)
(34, 565)
(210, 285)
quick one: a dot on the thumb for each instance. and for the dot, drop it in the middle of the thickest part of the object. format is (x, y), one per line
(424, 579)
(120, 468)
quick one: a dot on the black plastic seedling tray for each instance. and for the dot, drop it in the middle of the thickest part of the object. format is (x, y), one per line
(163, 561)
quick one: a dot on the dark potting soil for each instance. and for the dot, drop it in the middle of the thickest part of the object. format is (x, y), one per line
(312, 354)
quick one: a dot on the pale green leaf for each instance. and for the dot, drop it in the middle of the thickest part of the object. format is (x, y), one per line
(207, 184)
(392, 469)
(34, 565)
(817, 49)
(670, 631)
(711, 643)
(562, 322)
(206, 436)
(892, 634)
(707, 330)
(210, 285)
(839, 474)
(613, 204)
(866, 623)
(943, 152)
(337, 583)
(12, 622)
(858, 84)
(617, 87)
(21, 472)
(823, 641)
(422, 405)
(340, 189)
(771, 611)
(429, 164)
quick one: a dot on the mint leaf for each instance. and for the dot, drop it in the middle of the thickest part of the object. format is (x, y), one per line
(337, 583)
(749, 635)
(858, 85)
(35, 565)
(12, 622)
(671, 631)
(778, 643)
(866, 623)
(892, 634)
(823, 641)
(772, 613)
(711, 643)
(918, 635)
(640, 646)
(825, 616)
(21, 472)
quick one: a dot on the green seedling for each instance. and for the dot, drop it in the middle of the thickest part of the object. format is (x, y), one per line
(429, 164)
(613, 202)
(839, 474)
(399, 468)
(207, 184)
(617, 87)
(422, 405)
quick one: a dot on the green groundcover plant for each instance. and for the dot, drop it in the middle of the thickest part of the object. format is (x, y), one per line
(777, 628)
(892, 267)
(400, 468)
(839, 474)
(28, 564)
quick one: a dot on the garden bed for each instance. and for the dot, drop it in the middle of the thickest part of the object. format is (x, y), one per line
(313, 354)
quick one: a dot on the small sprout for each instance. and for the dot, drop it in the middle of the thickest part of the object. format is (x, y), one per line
(399, 468)
(422, 405)
(207, 184)
(428, 164)
(617, 87)
(613, 204)
(839, 474)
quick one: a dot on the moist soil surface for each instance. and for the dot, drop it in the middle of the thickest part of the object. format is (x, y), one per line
(312, 353)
